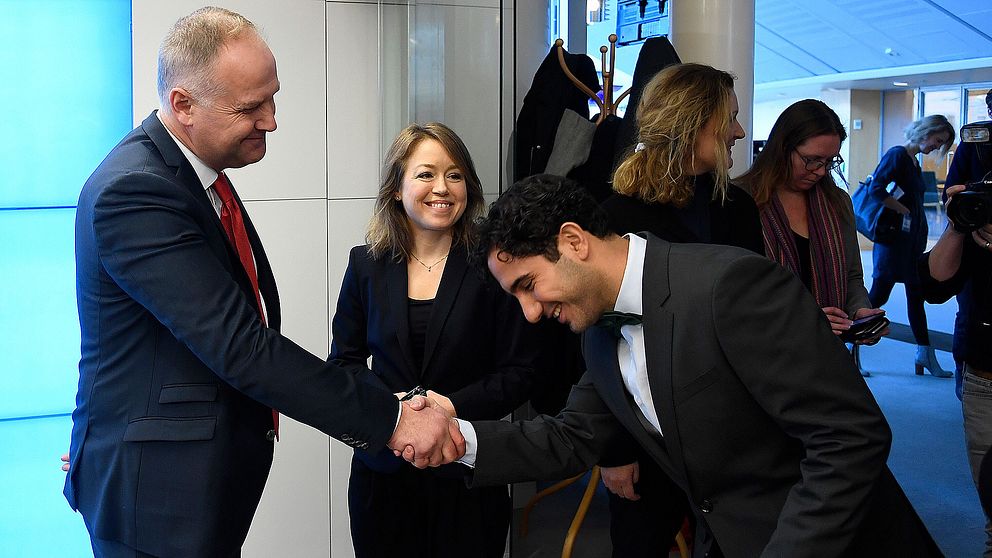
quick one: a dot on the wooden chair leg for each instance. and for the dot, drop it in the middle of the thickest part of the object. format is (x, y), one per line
(580, 514)
(680, 542)
(537, 497)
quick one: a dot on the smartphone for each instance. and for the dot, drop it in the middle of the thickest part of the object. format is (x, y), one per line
(865, 328)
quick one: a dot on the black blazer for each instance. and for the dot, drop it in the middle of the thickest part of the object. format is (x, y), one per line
(781, 450)
(169, 446)
(478, 350)
(734, 222)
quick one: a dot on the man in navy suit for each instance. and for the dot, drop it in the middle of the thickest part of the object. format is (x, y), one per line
(182, 363)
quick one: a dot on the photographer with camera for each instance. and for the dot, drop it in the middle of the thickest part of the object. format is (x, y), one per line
(963, 256)
(968, 165)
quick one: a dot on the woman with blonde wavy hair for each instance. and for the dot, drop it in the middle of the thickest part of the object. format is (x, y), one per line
(676, 182)
(675, 185)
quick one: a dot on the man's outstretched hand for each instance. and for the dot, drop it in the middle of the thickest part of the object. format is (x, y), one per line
(426, 435)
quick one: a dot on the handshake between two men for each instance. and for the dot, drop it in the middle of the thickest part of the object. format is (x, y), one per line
(426, 434)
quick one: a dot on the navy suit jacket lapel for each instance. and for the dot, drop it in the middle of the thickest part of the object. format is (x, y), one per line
(659, 326)
(447, 292)
(398, 312)
(186, 176)
(175, 159)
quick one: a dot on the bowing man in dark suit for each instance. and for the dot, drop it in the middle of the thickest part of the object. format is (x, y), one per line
(721, 367)
(410, 301)
(182, 363)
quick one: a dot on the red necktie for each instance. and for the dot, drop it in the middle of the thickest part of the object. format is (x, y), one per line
(234, 226)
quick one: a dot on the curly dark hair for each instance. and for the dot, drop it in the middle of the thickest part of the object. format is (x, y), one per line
(525, 220)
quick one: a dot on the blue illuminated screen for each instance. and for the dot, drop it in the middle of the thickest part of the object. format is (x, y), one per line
(65, 86)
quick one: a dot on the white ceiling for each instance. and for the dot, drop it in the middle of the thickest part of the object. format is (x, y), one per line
(802, 46)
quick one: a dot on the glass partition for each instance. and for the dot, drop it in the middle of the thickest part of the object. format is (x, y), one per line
(975, 107)
(445, 63)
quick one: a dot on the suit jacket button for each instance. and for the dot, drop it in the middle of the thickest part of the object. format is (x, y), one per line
(270, 435)
(706, 506)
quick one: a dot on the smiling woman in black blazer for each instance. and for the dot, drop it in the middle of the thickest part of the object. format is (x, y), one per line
(410, 301)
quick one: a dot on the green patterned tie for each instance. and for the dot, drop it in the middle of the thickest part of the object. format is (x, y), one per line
(613, 321)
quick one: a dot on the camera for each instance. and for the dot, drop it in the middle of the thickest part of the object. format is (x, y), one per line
(971, 208)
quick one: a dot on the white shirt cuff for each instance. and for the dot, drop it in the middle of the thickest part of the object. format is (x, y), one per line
(471, 443)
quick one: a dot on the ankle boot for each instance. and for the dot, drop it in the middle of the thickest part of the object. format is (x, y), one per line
(856, 354)
(925, 358)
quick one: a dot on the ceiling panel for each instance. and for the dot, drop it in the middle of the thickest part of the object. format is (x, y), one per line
(810, 38)
(772, 66)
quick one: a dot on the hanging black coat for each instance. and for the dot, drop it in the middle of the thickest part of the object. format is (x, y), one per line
(550, 94)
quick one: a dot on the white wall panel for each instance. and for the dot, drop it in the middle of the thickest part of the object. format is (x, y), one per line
(352, 100)
(294, 504)
(349, 219)
(294, 166)
(455, 76)
(508, 110)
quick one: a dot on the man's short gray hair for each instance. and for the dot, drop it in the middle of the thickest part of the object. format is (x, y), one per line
(191, 46)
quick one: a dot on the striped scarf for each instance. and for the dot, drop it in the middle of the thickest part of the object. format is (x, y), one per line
(826, 246)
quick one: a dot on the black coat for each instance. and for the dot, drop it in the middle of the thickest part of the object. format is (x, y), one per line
(479, 352)
(550, 94)
(897, 261)
(734, 222)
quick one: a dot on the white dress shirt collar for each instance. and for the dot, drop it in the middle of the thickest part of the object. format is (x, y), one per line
(206, 174)
(630, 297)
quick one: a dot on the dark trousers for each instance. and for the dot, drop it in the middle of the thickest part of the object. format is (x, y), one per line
(427, 513)
(113, 549)
(879, 295)
(646, 528)
(959, 346)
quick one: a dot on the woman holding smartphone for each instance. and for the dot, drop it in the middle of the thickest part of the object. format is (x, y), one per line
(806, 219)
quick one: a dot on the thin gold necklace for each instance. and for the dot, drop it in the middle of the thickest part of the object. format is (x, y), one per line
(428, 267)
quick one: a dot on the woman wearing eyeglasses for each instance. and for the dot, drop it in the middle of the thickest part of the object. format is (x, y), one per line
(806, 219)
(898, 180)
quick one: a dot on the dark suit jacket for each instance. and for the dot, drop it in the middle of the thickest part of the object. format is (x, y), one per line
(169, 450)
(478, 351)
(768, 427)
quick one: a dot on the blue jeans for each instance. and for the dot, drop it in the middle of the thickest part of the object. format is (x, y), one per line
(976, 404)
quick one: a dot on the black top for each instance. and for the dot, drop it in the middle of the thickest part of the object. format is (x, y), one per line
(805, 260)
(976, 266)
(734, 222)
(419, 314)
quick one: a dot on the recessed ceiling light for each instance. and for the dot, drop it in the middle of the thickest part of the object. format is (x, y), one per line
(900, 83)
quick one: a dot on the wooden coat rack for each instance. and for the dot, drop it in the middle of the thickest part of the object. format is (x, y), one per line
(607, 106)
